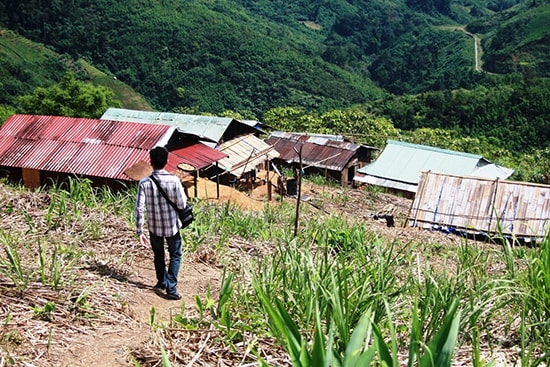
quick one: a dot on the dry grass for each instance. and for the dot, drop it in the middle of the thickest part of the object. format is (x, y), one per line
(104, 308)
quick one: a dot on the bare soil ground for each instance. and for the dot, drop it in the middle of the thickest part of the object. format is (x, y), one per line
(108, 312)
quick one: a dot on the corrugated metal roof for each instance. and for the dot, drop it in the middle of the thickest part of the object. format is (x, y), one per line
(245, 153)
(317, 151)
(79, 146)
(197, 155)
(402, 162)
(377, 181)
(476, 205)
(310, 137)
(487, 170)
(253, 123)
(205, 127)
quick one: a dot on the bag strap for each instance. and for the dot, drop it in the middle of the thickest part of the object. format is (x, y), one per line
(164, 193)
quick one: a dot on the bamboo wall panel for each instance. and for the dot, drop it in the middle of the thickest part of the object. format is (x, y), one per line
(476, 205)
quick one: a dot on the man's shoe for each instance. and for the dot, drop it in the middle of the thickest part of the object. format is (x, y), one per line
(159, 286)
(174, 296)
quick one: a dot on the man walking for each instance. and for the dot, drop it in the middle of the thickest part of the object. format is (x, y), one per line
(162, 221)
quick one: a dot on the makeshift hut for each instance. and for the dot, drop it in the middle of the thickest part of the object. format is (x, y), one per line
(481, 207)
(245, 156)
(327, 155)
(38, 149)
(399, 166)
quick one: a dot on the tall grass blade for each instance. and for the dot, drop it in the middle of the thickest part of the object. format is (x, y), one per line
(439, 350)
(14, 269)
(331, 359)
(318, 352)
(414, 339)
(165, 360)
(225, 293)
(284, 328)
(357, 353)
(382, 348)
(294, 339)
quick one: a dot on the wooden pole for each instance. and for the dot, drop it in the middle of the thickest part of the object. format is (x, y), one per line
(493, 207)
(299, 193)
(217, 180)
(268, 181)
(195, 183)
(420, 196)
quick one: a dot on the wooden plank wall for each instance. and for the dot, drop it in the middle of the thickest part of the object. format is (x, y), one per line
(31, 178)
(477, 205)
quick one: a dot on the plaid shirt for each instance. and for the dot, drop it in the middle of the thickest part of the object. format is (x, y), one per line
(162, 219)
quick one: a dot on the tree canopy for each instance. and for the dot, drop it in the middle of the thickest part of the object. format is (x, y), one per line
(70, 97)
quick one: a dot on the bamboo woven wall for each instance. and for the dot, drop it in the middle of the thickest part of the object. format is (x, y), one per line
(477, 205)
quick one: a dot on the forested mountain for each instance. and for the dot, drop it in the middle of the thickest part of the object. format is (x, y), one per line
(255, 55)
(470, 75)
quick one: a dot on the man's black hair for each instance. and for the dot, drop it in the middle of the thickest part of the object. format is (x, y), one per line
(159, 157)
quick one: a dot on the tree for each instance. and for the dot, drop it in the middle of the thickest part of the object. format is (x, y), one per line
(70, 98)
(5, 112)
(441, 138)
(292, 119)
(241, 115)
(360, 126)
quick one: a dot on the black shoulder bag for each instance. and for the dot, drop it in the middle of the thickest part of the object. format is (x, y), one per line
(185, 214)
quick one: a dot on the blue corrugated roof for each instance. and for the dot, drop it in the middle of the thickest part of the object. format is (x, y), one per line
(403, 162)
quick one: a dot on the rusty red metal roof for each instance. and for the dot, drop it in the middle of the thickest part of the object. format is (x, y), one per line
(324, 153)
(198, 155)
(81, 146)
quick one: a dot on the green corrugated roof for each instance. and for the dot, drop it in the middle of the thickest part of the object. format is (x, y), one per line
(403, 162)
(209, 127)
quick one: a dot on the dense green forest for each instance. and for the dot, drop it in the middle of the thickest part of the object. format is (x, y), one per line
(256, 55)
(333, 66)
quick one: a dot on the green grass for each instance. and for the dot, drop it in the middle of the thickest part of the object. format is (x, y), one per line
(335, 294)
(22, 49)
(537, 27)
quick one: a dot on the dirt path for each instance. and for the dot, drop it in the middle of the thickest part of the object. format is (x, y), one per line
(478, 51)
(109, 345)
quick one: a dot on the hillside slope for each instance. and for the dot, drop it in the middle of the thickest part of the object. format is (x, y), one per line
(252, 56)
(26, 65)
(521, 42)
(104, 304)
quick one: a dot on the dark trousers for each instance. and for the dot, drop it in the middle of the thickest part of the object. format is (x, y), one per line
(167, 276)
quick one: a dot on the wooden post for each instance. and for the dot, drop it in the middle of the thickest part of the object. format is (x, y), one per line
(31, 178)
(299, 192)
(493, 207)
(420, 196)
(268, 181)
(217, 180)
(195, 183)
